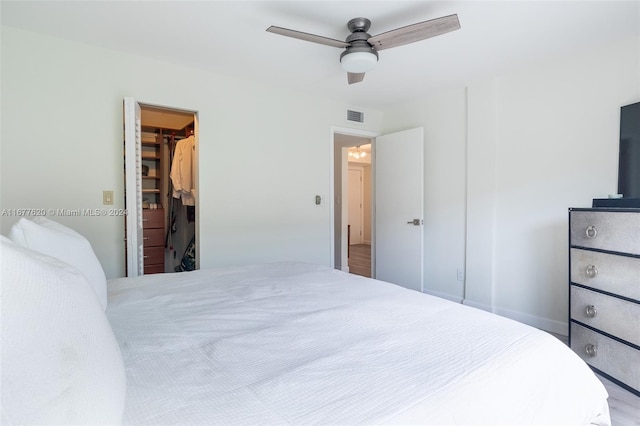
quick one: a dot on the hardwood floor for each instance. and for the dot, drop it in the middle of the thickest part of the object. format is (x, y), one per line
(624, 407)
(360, 260)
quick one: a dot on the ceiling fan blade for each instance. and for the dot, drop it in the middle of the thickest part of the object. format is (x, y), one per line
(354, 77)
(307, 37)
(415, 32)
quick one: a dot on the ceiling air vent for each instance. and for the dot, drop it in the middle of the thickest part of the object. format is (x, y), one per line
(355, 116)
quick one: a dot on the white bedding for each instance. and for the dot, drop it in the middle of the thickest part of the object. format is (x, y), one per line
(296, 344)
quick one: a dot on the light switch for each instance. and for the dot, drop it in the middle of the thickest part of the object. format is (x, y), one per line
(318, 200)
(107, 197)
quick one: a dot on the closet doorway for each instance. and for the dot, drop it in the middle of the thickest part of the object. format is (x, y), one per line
(161, 178)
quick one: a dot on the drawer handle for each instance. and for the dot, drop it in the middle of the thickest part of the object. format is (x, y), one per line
(591, 271)
(591, 311)
(591, 232)
(591, 350)
(145, 257)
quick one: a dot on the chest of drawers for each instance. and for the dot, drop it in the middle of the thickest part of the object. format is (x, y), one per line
(604, 292)
(153, 240)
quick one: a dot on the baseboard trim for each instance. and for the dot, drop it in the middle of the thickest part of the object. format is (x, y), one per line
(546, 324)
(451, 297)
(477, 305)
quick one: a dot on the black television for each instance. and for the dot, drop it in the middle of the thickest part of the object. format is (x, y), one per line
(628, 160)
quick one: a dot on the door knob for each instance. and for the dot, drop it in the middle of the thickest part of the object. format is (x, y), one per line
(416, 222)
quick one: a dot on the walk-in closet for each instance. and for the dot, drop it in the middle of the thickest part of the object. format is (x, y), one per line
(165, 190)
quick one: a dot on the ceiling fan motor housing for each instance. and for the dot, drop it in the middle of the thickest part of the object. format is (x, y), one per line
(359, 24)
(359, 45)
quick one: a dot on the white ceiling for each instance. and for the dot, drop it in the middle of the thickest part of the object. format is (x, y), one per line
(229, 37)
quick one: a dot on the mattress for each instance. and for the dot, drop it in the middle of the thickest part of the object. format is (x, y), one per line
(294, 343)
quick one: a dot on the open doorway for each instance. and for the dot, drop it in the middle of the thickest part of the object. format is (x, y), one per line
(161, 159)
(359, 209)
(397, 232)
(353, 215)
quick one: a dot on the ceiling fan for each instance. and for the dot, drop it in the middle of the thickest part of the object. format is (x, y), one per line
(361, 49)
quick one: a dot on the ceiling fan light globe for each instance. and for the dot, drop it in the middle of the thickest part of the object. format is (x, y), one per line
(359, 62)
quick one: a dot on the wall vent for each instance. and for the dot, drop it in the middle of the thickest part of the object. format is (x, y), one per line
(355, 116)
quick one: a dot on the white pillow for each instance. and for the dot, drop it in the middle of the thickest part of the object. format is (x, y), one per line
(56, 240)
(61, 363)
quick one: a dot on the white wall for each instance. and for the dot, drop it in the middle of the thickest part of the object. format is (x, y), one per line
(556, 147)
(444, 121)
(505, 159)
(62, 146)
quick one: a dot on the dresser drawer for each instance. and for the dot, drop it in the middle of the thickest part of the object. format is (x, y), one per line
(615, 316)
(607, 355)
(153, 237)
(152, 218)
(153, 255)
(154, 269)
(606, 272)
(614, 231)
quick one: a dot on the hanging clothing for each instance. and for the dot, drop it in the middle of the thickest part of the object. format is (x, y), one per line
(182, 171)
(191, 213)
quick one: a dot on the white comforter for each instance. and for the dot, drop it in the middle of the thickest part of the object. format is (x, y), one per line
(298, 344)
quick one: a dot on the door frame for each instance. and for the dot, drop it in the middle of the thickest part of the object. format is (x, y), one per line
(196, 165)
(132, 185)
(332, 207)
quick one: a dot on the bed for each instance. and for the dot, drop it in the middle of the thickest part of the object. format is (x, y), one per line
(294, 343)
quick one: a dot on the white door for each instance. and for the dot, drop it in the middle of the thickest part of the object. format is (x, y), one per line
(133, 187)
(356, 215)
(399, 208)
